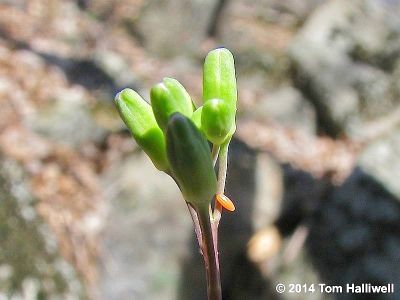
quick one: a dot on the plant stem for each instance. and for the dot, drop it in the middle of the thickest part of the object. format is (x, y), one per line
(206, 226)
(222, 168)
(210, 255)
(214, 153)
(196, 225)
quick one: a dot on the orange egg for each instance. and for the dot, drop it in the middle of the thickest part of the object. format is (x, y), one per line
(225, 202)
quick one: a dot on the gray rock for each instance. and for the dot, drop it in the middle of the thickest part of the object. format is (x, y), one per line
(340, 62)
(146, 232)
(171, 28)
(283, 12)
(116, 67)
(286, 106)
(67, 120)
(381, 160)
(301, 271)
(31, 266)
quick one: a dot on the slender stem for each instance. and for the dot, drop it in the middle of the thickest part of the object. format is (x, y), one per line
(217, 206)
(210, 256)
(222, 168)
(206, 226)
(196, 224)
(214, 154)
(216, 215)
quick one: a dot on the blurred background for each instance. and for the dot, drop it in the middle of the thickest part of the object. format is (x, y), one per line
(313, 169)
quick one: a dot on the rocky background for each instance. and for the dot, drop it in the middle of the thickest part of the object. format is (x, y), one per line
(313, 167)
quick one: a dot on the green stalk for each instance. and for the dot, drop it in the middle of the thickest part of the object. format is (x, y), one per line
(222, 169)
(214, 153)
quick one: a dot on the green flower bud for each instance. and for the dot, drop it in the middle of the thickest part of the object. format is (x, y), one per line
(196, 118)
(217, 120)
(219, 81)
(138, 117)
(168, 97)
(190, 161)
(230, 134)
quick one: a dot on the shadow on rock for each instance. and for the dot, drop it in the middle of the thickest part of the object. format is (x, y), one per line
(353, 229)
(84, 72)
(354, 236)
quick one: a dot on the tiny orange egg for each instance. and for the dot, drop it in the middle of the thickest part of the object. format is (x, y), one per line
(225, 202)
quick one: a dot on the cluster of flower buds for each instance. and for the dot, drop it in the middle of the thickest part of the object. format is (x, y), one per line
(174, 133)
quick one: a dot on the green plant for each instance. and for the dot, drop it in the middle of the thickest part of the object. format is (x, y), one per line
(176, 138)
